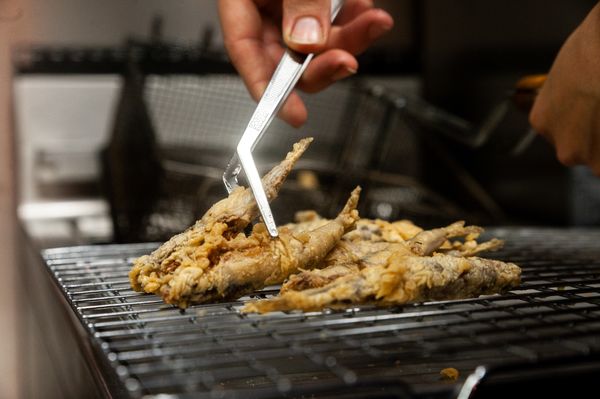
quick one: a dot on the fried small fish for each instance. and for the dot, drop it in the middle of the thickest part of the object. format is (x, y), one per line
(403, 279)
(214, 260)
(376, 241)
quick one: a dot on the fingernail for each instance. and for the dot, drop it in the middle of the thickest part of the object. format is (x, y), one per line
(307, 30)
(343, 73)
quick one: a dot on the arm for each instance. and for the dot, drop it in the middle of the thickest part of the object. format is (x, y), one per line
(253, 32)
(567, 109)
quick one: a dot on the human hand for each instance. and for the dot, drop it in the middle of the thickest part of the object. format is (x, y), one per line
(253, 29)
(567, 109)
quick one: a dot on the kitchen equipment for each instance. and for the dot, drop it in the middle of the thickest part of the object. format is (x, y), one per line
(526, 90)
(285, 77)
(542, 335)
(522, 96)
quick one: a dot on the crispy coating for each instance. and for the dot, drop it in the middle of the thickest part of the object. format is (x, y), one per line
(348, 257)
(426, 242)
(371, 243)
(328, 263)
(214, 260)
(375, 230)
(402, 280)
(373, 246)
(226, 217)
(449, 374)
(366, 229)
(245, 264)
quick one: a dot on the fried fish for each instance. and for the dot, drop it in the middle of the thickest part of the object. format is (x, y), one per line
(366, 270)
(376, 241)
(403, 279)
(215, 261)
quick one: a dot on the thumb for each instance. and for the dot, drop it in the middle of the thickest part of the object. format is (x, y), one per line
(306, 24)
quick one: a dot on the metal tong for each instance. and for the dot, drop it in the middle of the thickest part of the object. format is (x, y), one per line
(285, 77)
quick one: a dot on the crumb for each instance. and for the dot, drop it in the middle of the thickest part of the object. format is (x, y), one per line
(450, 374)
(308, 180)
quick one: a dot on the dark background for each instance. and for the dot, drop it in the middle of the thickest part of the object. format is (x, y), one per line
(470, 54)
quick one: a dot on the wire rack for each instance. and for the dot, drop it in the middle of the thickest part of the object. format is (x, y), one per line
(215, 351)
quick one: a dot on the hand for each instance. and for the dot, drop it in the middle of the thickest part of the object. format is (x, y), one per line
(567, 109)
(253, 30)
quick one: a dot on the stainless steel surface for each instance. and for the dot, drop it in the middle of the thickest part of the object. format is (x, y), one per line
(10, 314)
(56, 144)
(285, 77)
(215, 351)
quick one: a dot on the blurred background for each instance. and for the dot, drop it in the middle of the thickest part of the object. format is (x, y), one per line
(118, 118)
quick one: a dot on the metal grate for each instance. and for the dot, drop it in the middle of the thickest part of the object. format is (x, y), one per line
(214, 350)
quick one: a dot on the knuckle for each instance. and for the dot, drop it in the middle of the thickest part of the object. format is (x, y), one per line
(568, 156)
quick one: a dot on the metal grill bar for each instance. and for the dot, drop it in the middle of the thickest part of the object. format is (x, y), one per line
(214, 350)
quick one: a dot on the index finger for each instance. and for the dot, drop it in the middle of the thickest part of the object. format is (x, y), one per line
(250, 42)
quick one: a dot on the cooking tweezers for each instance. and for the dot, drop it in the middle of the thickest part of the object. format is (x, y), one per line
(285, 77)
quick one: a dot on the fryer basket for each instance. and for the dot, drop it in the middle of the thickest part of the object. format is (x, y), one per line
(361, 138)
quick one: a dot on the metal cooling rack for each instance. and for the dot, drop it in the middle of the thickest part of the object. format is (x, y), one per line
(214, 351)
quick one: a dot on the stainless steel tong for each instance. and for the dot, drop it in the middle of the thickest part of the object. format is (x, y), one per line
(285, 77)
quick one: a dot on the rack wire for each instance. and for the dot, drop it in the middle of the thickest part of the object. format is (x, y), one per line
(213, 350)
